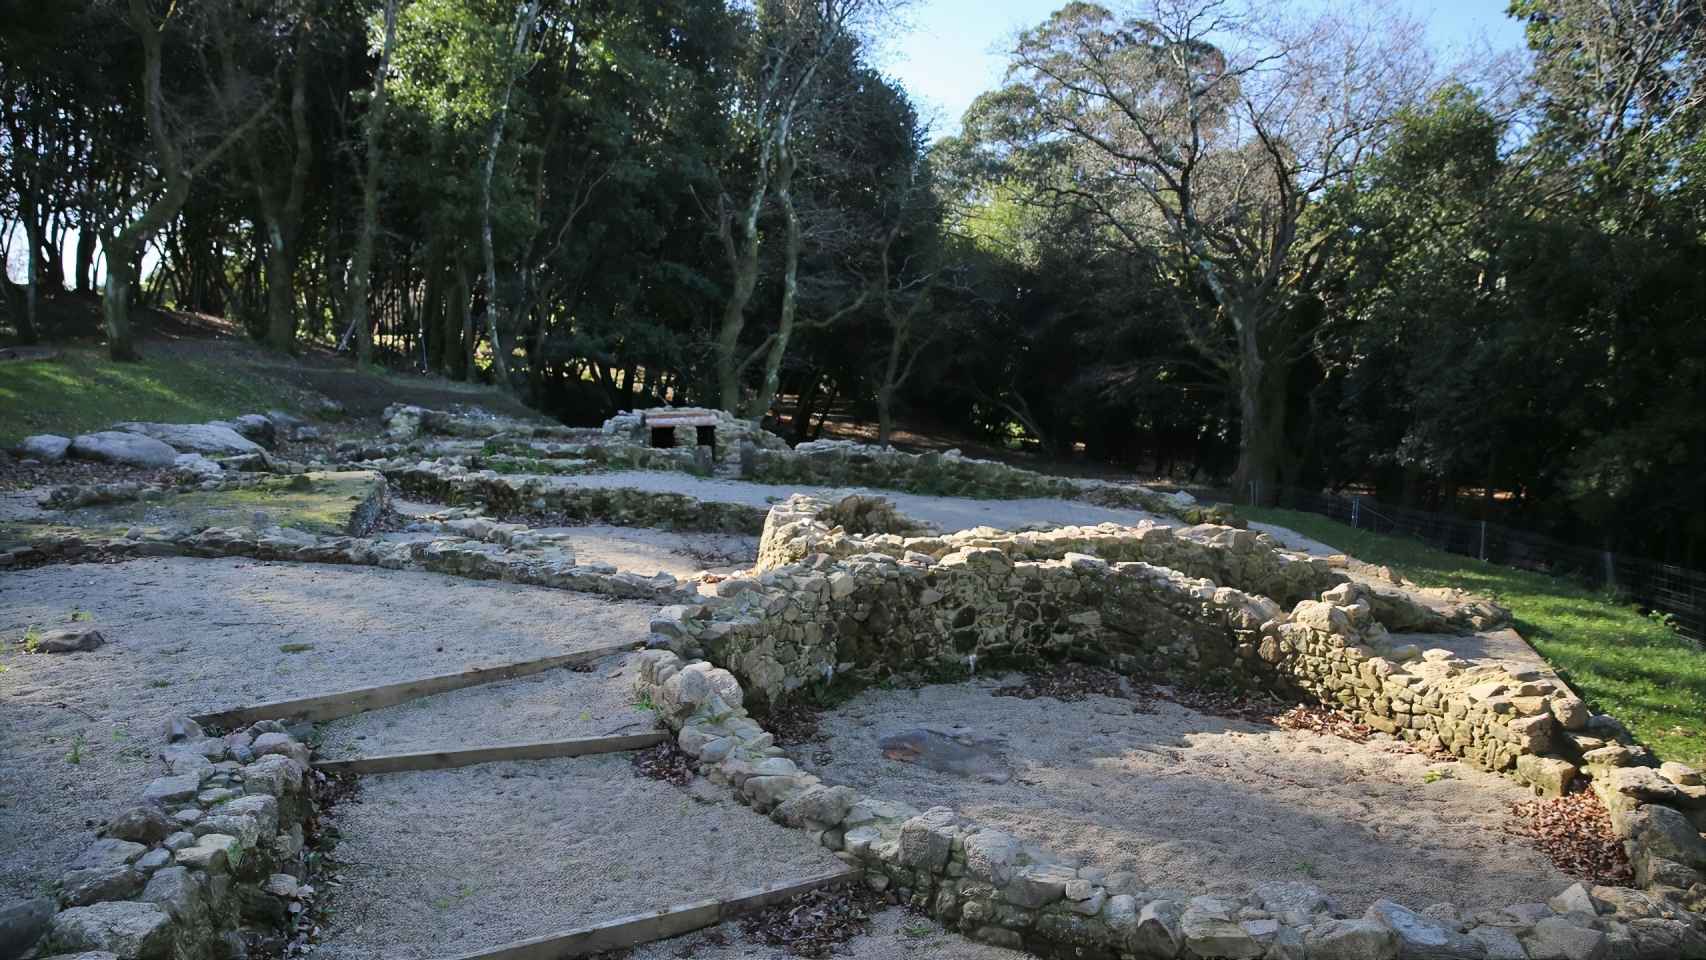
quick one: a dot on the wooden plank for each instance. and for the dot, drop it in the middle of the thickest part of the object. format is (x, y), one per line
(631, 931)
(346, 703)
(448, 759)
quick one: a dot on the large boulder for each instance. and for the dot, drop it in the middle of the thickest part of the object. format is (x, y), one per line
(118, 446)
(214, 439)
(44, 447)
(126, 927)
(253, 426)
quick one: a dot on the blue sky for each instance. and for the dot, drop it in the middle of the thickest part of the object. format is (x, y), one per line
(952, 51)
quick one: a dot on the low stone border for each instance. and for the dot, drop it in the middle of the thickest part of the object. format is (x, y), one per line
(214, 849)
(472, 547)
(994, 888)
(803, 526)
(510, 496)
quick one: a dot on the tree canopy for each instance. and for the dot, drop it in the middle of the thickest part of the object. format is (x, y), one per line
(1220, 242)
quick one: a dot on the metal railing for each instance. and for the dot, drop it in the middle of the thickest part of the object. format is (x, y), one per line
(1678, 593)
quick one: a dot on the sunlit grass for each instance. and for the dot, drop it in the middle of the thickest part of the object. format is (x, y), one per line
(81, 390)
(1625, 663)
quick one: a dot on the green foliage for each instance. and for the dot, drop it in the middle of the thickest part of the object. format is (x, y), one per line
(1623, 662)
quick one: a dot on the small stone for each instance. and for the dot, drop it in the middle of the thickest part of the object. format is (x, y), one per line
(128, 928)
(47, 448)
(1422, 938)
(108, 853)
(1680, 774)
(283, 885)
(68, 640)
(1558, 937)
(79, 888)
(154, 860)
(139, 825)
(1500, 943)
(1210, 931)
(1038, 885)
(22, 924)
(1351, 940)
(180, 840)
(174, 789)
(182, 728)
(1574, 899)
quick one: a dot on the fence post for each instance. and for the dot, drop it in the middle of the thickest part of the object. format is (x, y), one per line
(1483, 541)
(1356, 508)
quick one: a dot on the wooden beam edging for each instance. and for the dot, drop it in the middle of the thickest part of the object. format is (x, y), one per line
(347, 703)
(633, 930)
(448, 759)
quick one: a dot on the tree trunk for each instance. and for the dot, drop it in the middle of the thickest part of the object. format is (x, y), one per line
(790, 286)
(362, 267)
(743, 264)
(1261, 411)
(523, 28)
(115, 307)
(32, 285)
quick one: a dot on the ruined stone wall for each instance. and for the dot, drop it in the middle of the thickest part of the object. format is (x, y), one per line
(212, 851)
(803, 526)
(508, 496)
(846, 463)
(978, 609)
(995, 888)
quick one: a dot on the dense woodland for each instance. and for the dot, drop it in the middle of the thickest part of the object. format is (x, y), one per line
(1188, 238)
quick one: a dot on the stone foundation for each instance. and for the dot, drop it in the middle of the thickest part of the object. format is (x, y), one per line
(210, 858)
(464, 545)
(994, 888)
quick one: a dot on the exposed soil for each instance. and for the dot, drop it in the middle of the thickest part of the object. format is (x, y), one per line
(193, 635)
(1179, 799)
(441, 863)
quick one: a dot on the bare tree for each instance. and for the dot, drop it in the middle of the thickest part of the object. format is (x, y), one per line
(165, 192)
(1201, 133)
(525, 16)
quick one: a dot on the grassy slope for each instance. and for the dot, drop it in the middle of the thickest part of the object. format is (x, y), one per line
(81, 390)
(1626, 664)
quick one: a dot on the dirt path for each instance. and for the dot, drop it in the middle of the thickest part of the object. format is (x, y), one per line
(78, 732)
(443, 863)
(1181, 800)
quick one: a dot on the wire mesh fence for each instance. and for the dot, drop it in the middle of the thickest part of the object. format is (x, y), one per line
(1677, 592)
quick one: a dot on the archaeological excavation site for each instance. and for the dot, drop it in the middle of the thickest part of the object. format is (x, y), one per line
(451, 685)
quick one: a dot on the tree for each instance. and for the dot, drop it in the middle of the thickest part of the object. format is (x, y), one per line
(165, 192)
(373, 127)
(1201, 136)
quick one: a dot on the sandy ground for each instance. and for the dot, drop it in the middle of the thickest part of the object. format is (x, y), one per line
(894, 934)
(645, 551)
(441, 863)
(949, 513)
(191, 635)
(556, 705)
(1177, 799)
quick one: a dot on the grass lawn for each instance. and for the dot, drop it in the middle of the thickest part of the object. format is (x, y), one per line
(1625, 663)
(81, 390)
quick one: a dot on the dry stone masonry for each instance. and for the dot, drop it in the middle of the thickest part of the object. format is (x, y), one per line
(995, 888)
(832, 604)
(208, 859)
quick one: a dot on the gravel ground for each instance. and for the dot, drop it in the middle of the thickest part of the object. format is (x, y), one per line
(1179, 799)
(949, 513)
(895, 934)
(78, 731)
(441, 863)
(645, 551)
(555, 705)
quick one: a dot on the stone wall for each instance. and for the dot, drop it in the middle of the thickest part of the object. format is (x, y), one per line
(803, 526)
(455, 543)
(994, 888)
(978, 609)
(846, 463)
(508, 496)
(211, 856)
